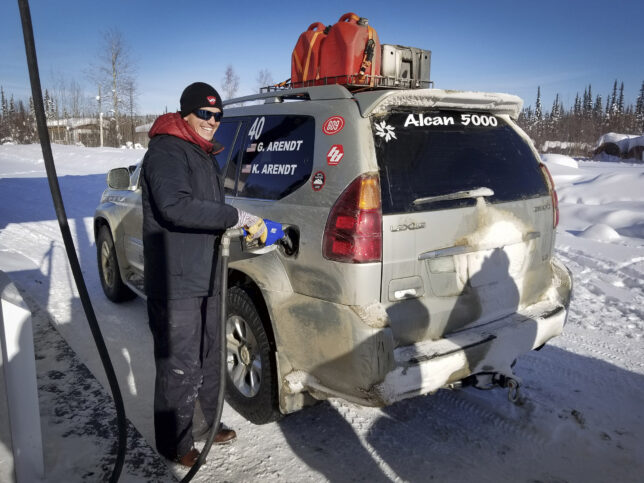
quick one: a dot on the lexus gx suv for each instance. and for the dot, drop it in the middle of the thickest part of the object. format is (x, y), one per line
(422, 226)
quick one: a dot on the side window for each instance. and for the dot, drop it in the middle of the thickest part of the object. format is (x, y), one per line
(277, 156)
(233, 164)
(225, 135)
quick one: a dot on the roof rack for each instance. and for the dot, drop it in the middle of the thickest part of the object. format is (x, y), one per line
(327, 88)
(354, 83)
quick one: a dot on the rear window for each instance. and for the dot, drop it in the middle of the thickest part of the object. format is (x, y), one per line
(435, 153)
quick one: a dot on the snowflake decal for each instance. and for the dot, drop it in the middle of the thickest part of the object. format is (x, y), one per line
(386, 131)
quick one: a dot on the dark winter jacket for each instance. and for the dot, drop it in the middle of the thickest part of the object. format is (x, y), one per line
(183, 211)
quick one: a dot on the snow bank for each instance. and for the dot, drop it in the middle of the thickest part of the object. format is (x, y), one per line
(600, 232)
(565, 145)
(563, 168)
(26, 161)
(559, 159)
(599, 202)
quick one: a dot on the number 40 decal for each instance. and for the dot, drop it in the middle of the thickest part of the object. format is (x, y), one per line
(256, 129)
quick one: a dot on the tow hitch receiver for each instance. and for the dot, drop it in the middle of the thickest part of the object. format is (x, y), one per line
(490, 380)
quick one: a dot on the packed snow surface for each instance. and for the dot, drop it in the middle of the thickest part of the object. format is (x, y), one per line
(580, 417)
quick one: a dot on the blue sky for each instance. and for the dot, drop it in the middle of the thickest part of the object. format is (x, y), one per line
(501, 46)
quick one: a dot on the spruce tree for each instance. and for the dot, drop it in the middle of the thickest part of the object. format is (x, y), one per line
(538, 114)
(46, 100)
(556, 111)
(5, 106)
(4, 120)
(639, 107)
(588, 101)
(613, 100)
(598, 110)
(620, 102)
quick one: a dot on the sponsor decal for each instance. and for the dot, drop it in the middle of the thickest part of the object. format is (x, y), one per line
(212, 100)
(386, 131)
(333, 125)
(335, 155)
(318, 181)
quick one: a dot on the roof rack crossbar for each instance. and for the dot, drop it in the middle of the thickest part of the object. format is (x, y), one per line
(331, 91)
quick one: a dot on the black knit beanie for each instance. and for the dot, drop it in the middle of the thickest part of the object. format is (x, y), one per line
(199, 95)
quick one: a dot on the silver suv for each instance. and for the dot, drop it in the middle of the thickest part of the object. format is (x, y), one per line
(423, 225)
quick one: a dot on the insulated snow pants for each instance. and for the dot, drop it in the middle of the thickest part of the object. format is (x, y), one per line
(186, 342)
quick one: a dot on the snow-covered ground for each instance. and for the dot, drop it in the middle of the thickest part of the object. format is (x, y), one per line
(582, 419)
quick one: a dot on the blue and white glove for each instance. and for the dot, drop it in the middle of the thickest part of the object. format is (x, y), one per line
(252, 224)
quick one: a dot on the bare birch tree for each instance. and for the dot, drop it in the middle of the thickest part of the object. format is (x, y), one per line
(230, 82)
(115, 72)
(264, 79)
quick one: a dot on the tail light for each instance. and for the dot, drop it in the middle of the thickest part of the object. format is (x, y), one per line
(353, 232)
(553, 194)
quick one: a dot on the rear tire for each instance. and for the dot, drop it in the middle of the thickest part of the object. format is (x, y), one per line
(108, 268)
(251, 373)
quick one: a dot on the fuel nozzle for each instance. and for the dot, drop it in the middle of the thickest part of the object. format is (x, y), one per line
(287, 238)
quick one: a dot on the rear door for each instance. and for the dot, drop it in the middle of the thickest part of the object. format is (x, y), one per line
(467, 220)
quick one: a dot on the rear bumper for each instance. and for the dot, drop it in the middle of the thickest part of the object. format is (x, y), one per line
(426, 367)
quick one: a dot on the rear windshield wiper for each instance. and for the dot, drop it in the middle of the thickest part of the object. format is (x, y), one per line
(458, 195)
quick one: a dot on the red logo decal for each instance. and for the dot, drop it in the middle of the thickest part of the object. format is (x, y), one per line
(318, 181)
(333, 125)
(335, 155)
(212, 100)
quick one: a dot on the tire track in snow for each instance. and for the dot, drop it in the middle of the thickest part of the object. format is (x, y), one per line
(607, 295)
(426, 436)
(471, 401)
(553, 369)
(603, 350)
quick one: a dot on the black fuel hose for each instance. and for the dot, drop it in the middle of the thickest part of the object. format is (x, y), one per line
(36, 92)
(224, 250)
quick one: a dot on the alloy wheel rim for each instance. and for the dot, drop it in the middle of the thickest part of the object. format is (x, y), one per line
(243, 360)
(106, 265)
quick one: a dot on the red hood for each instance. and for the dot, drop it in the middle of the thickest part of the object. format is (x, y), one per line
(174, 125)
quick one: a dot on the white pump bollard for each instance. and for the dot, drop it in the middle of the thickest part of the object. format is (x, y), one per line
(20, 435)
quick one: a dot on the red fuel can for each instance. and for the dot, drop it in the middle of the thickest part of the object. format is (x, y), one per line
(305, 60)
(351, 52)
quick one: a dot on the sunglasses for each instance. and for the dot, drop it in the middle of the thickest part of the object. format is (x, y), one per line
(206, 115)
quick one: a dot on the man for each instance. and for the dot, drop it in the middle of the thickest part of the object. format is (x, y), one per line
(184, 214)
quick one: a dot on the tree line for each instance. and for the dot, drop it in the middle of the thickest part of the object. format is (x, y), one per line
(585, 121)
(114, 105)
